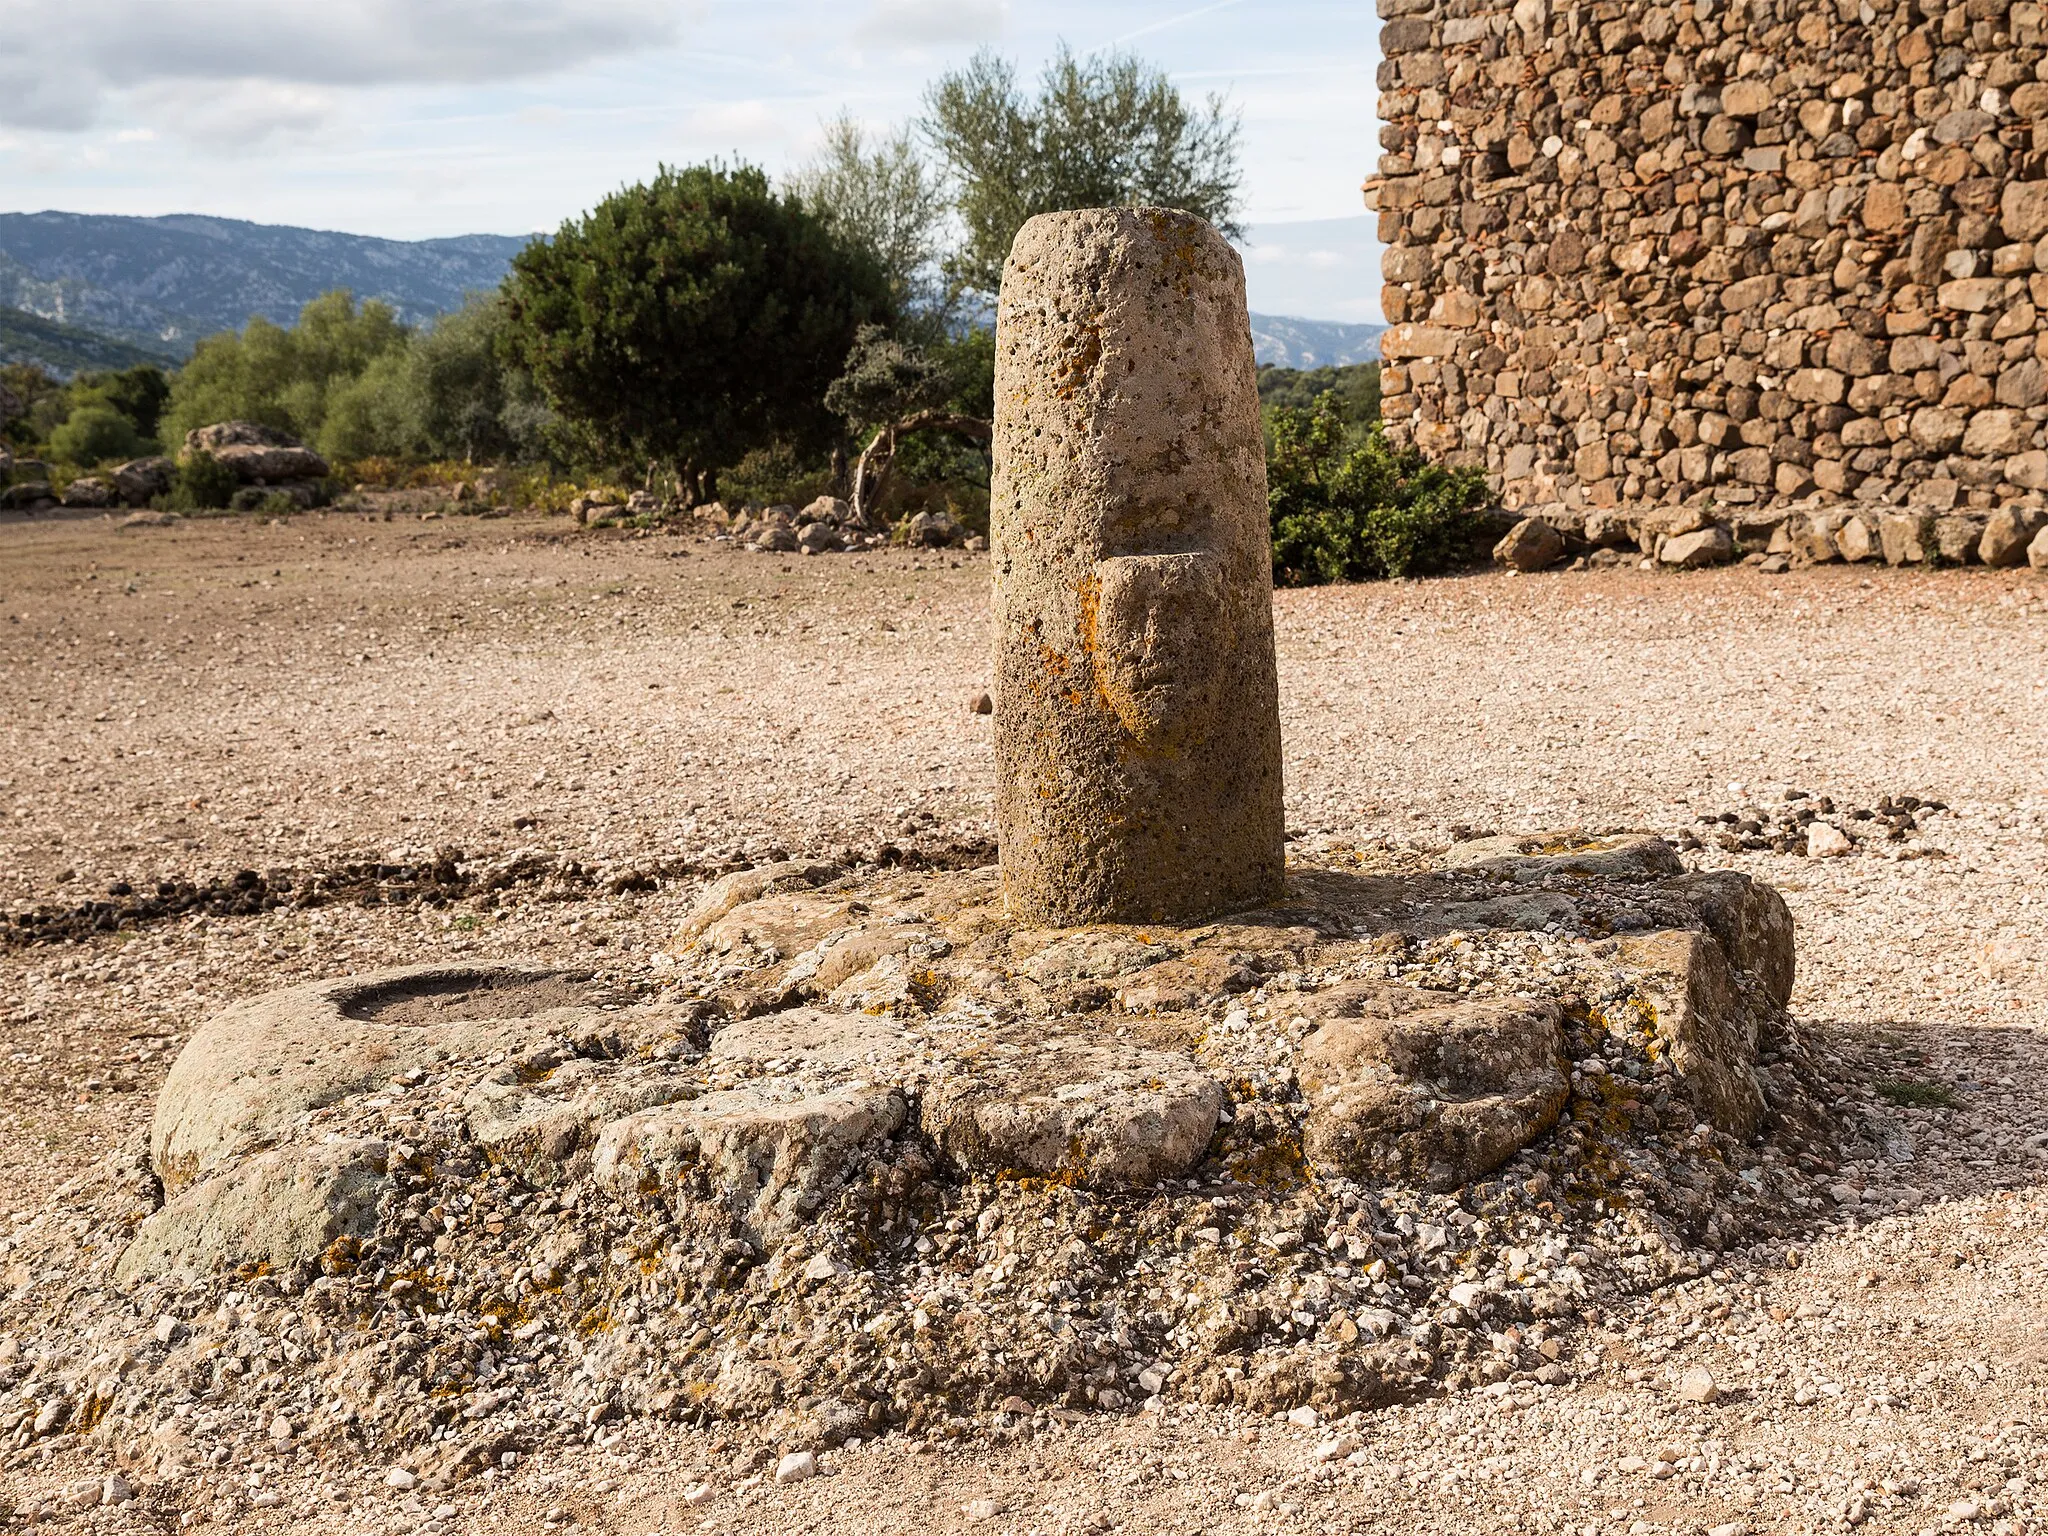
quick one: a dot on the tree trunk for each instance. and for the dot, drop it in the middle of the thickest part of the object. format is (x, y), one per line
(885, 440)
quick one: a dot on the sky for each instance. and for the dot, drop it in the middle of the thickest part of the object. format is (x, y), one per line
(416, 118)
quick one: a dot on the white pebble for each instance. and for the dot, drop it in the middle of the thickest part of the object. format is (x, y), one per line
(795, 1467)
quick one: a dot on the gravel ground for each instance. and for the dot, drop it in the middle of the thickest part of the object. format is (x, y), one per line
(180, 704)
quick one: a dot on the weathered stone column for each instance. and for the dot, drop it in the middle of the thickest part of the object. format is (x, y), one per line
(1137, 712)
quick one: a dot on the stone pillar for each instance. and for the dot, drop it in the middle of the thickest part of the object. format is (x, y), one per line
(1136, 707)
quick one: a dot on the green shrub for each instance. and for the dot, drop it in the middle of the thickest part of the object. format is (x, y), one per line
(1356, 386)
(1347, 509)
(93, 434)
(204, 484)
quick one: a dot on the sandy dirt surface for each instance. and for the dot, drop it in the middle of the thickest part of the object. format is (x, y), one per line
(185, 703)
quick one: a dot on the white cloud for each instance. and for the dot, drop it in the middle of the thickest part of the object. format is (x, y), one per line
(236, 116)
(922, 23)
(65, 65)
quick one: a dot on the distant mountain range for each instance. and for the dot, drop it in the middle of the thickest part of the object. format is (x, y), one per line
(81, 290)
(163, 283)
(1288, 342)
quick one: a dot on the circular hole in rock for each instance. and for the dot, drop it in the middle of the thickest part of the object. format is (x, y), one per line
(459, 995)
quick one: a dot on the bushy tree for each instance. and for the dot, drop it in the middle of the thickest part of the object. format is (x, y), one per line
(694, 318)
(1106, 131)
(289, 378)
(94, 433)
(880, 194)
(1355, 388)
(1351, 508)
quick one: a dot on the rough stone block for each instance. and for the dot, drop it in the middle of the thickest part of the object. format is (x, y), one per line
(1136, 698)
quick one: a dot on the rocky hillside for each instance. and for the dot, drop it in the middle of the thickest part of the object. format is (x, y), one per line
(163, 283)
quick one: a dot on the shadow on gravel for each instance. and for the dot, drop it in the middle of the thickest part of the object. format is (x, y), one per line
(445, 879)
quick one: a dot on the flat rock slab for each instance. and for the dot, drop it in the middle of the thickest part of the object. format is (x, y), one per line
(255, 1068)
(851, 1019)
(1078, 1110)
(1428, 1088)
(768, 1153)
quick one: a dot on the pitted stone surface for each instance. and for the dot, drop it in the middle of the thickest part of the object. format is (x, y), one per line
(767, 1153)
(1081, 1111)
(1136, 702)
(1428, 1088)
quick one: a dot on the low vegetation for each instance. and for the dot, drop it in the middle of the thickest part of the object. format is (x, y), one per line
(1348, 506)
(711, 333)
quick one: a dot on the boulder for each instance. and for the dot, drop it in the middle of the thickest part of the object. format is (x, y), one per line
(26, 495)
(1956, 537)
(140, 481)
(1750, 921)
(249, 1072)
(1531, 545)
(1427, 1088)
(1698, 1010)
(827, 509)
(1811, 537)
(819, 539)
(89, 491)
(1905, 537)
(2008, 532)
(1689, 551)
(933, 530)
(256, 453)
(1857, 540)
(277, 1210)
(2037, 552)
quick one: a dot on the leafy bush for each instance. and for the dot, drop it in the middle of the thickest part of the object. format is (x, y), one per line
(776, 474)
(1355, 386)
(292, 378)
(92, 434)
(203, 484)
(1354, 510)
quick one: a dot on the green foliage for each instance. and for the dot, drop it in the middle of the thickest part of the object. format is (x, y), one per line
(464, 399)
(1105, 131)
(1350, 508)
(886, 379)
(776, 474)
(883, 197)
(139, 393)
(293, 378)
(969, 360)
(94, 433)
(1354, 388)
(694, 319)
(1919, 1095)
(203, 484)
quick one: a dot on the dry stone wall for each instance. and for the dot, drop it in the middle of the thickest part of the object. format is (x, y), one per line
(1723, 259)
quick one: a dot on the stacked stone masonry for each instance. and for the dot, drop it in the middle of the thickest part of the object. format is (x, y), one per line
(1739, 258)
